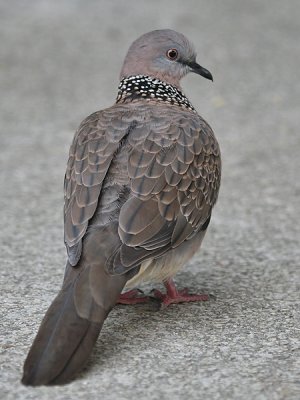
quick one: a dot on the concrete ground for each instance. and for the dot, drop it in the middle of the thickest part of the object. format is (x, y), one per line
(60, 61)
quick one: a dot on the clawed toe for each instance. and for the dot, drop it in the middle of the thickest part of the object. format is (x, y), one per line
(174, 296)
(134, 296)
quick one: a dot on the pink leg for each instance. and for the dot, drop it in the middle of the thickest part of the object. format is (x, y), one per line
(177, 296)
(133, 296)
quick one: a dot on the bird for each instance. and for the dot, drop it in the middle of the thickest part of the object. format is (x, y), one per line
(142, 178)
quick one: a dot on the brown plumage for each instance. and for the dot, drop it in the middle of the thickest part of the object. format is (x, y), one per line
(141, 180)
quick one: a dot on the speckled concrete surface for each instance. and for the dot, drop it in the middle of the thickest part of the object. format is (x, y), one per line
(59, 62)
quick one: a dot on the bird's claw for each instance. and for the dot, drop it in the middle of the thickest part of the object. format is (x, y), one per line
(134, 296)
(182, 296)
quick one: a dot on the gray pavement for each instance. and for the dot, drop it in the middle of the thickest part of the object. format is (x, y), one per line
(60, 61)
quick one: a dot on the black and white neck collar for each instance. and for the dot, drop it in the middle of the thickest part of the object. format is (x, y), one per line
(144, 87)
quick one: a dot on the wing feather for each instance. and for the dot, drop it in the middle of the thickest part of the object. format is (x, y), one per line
(91, 153)
(173, 165)
(175, 177)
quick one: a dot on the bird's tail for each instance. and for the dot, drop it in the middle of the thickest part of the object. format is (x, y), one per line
(71, 325)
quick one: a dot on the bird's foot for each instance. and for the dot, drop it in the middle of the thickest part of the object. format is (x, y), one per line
(134, 296)
(176, 296)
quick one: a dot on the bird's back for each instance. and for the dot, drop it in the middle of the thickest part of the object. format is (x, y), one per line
(160, 158)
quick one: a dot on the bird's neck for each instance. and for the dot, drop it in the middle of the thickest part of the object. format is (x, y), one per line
(138, 87)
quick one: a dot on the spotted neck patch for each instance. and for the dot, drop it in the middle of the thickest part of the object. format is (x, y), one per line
(144, 87)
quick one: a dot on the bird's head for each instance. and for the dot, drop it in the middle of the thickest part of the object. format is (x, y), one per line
(163, 54)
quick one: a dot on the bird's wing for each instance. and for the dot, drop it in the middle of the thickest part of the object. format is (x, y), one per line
(175, 177)
(91, 153)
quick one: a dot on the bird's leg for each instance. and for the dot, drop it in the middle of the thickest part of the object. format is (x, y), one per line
(176, 296)
(134, 296)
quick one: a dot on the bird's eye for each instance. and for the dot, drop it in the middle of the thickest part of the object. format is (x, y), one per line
(172, 54)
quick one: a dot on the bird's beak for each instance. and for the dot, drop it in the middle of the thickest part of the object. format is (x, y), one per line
(199, 70)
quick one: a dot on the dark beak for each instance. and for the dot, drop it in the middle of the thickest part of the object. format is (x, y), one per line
(199, 70)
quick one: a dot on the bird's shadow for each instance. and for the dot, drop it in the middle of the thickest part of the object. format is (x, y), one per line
(125, 322)
(117, 333)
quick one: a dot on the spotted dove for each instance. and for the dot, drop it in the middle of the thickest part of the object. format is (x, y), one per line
(141, 181)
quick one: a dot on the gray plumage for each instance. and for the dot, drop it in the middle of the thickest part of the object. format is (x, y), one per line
(141, 180)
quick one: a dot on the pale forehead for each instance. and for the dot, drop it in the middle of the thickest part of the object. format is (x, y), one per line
(164, 38)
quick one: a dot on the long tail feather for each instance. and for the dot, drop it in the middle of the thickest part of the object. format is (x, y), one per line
(71, 326)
